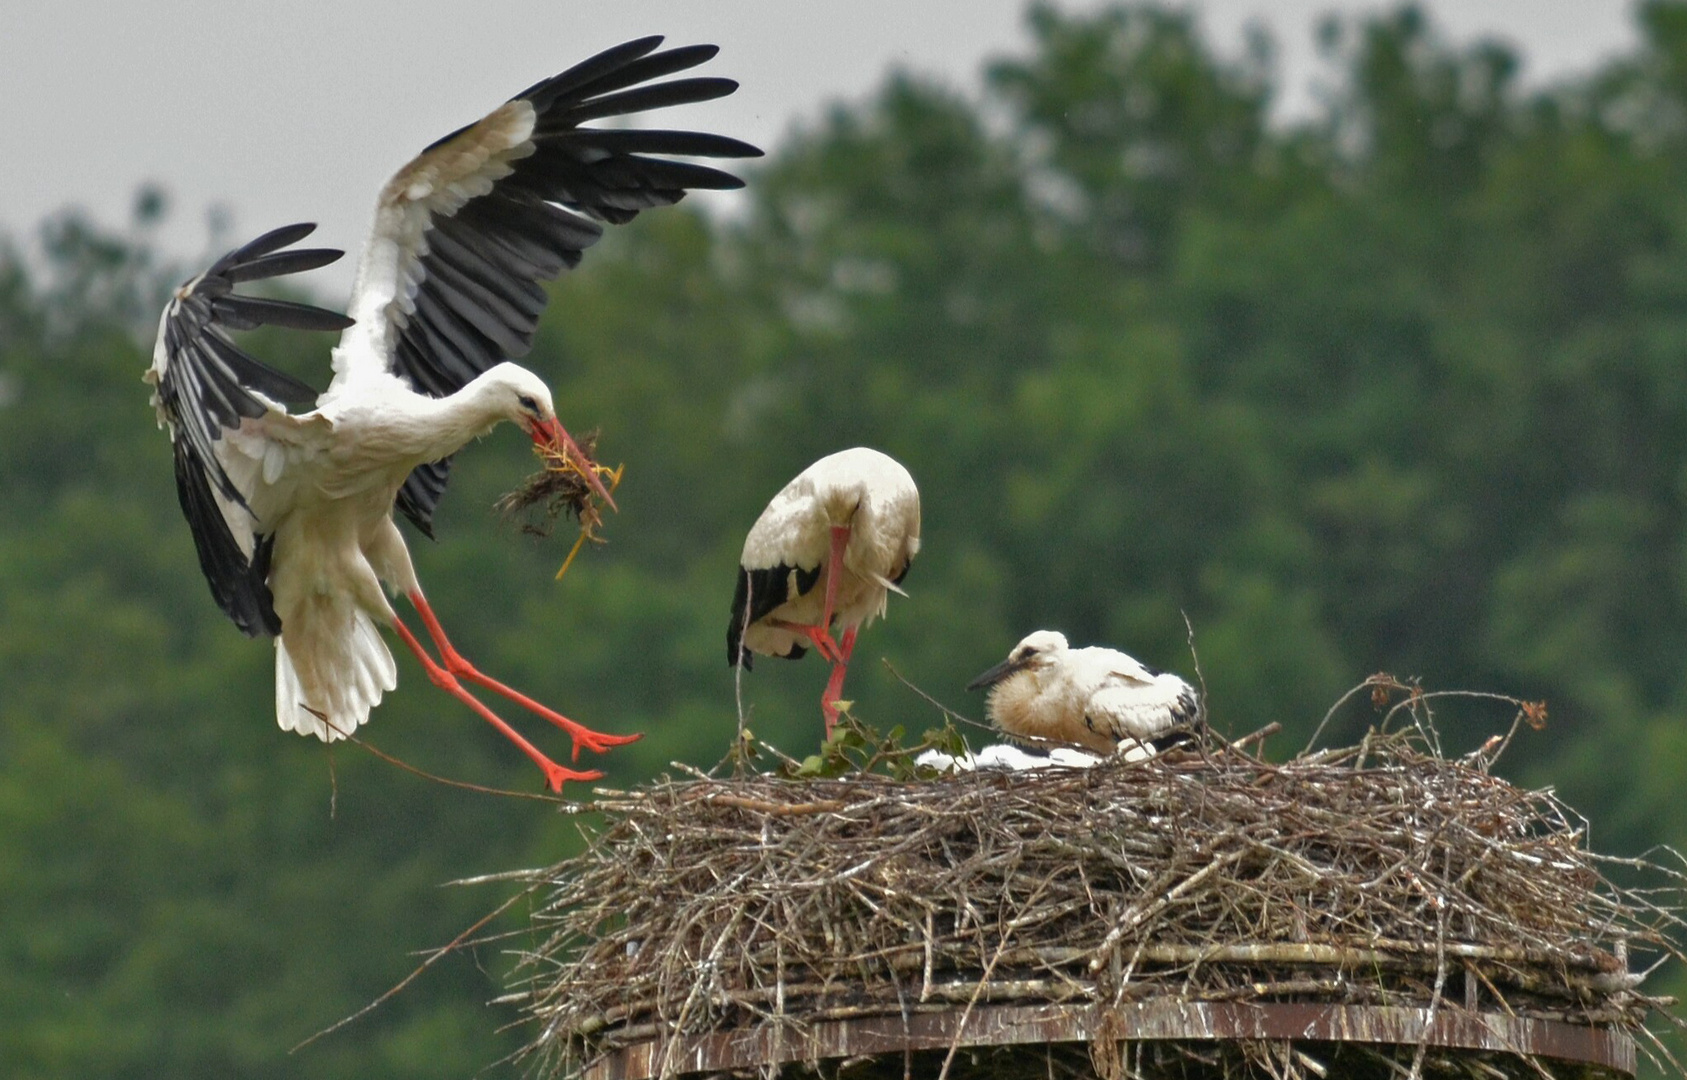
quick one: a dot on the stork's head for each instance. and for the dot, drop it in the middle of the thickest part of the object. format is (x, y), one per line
(1037, 651)
(526, 401)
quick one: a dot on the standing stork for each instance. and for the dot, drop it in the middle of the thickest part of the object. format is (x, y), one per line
(829, 549)
(1100, 699)
(292, 515)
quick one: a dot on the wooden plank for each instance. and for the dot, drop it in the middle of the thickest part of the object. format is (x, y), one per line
(1449, 1028)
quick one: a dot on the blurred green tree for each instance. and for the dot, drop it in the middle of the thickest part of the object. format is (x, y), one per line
(1396, 388)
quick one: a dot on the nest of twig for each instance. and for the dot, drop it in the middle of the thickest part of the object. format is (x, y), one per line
(1380, 874)
(559, 488)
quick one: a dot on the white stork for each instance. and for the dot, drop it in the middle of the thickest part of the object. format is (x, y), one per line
(292, 515)
(1100, 699)
(828, 550)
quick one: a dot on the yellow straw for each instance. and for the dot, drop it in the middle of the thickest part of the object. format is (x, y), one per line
(585, 529)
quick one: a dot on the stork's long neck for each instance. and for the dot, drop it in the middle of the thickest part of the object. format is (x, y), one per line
(448, 424)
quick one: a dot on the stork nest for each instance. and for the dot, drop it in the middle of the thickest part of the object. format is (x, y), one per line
(1378, 874)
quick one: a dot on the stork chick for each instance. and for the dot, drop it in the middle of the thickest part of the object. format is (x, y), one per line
(1097, 698)
(828, 551)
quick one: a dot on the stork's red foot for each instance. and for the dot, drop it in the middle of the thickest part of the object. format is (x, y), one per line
(556, 775)
(597, 742)
(818, 636)
(455, 662)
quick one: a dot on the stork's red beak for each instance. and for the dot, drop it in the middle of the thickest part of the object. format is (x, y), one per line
(551, 435)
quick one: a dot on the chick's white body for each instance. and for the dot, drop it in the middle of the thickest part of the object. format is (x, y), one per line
(1097, 698)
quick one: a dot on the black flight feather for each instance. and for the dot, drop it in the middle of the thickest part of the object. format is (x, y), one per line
(578, 79)
(757, 595)
(238, 585)
(281, 263)
(646, 68)
(658, 141)
(421, 491)
(660, 96)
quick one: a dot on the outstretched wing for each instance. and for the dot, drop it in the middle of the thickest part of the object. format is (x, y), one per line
(206, 387)
(464, 235)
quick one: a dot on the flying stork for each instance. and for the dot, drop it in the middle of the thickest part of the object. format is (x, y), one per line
(1097, 698)
(292, 514)
(828, 551)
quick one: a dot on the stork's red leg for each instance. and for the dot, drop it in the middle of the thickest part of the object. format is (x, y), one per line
(820, 634)
(848, 644)
(555, 775)
(834, 685)
(457, 664)
(834, 567)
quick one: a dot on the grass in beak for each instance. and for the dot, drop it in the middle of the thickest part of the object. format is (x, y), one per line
(560, 487)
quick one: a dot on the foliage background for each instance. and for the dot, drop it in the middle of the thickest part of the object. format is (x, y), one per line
(1399, 388)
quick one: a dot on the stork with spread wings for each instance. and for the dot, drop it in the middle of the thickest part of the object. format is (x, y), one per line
(292, 514)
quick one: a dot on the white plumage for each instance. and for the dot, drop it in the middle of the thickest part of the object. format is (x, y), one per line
(1004, 757)
(1097, 698)
(825, 555)
(292, 515)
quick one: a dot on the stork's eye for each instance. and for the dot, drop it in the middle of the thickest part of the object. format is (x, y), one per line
(528, 403)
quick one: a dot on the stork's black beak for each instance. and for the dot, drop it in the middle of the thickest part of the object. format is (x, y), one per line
(999, 672)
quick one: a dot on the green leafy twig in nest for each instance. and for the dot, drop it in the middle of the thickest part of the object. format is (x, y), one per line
(559, 487)
(857, 748)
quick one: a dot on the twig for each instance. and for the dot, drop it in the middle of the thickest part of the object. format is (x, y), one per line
(434, 958)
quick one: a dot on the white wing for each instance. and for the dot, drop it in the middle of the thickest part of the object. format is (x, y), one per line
(1008, 758)
(1137, 702)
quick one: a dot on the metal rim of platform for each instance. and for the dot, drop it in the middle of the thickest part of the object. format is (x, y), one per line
(1004, 1025)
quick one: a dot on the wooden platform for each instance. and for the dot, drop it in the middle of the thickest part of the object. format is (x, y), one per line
(1600, 1051)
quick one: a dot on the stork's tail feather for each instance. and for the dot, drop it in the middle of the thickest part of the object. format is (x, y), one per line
(329, 693)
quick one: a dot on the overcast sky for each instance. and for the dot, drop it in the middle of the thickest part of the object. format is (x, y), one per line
(299, 111)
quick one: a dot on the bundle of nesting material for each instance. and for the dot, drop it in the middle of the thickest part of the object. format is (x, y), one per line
(1377, 874)
(564, 486)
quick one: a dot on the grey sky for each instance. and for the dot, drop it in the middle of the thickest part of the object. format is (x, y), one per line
(299, 111)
